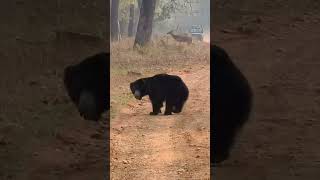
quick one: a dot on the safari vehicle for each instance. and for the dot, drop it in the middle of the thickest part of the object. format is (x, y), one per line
(197, 32)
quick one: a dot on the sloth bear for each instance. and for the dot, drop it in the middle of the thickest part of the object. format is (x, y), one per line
(87, 85)
(232, 102)
(160, 88)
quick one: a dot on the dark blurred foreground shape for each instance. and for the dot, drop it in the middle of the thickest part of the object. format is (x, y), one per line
(276, 45)
(41, 134)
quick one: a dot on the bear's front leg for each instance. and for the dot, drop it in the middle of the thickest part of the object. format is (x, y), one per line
(156, 107)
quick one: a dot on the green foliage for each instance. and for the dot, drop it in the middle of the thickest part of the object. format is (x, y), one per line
(124, 9)
(165, 8)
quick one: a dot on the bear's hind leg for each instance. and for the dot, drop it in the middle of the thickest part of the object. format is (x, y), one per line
(168, 110)
(177, 108)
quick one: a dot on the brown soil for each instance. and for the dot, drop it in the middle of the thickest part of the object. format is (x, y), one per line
(44, 138)
(280, 57)
(79, 153)
(164, 147)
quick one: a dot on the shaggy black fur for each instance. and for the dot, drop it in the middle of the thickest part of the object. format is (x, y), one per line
(87, 84)
(160, 88)
(231, 103)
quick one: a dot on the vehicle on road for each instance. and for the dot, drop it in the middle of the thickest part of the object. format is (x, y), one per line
(197, 32)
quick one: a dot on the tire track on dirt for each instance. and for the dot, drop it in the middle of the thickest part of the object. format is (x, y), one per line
(164, 147)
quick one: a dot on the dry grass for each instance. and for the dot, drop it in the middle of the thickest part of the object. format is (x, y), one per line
(160, 56)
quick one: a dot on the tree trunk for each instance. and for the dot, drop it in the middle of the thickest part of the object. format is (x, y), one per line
(139, 3)
(123, 28)
(114, 20)
(131, 18)
(144, 30)
(136, 20)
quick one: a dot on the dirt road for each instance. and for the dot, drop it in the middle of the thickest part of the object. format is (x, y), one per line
(164, 147)
(280, 57)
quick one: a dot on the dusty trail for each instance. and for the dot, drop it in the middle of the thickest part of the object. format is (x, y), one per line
(281, 139)
(164, 147)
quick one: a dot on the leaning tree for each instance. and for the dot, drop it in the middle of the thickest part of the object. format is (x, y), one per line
(144, 29)
(114, 20)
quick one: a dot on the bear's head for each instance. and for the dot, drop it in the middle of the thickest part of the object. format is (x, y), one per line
(139, 88)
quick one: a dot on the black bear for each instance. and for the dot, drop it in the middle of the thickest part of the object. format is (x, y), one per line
(231, 100)
(87, 84)
(160, 88)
